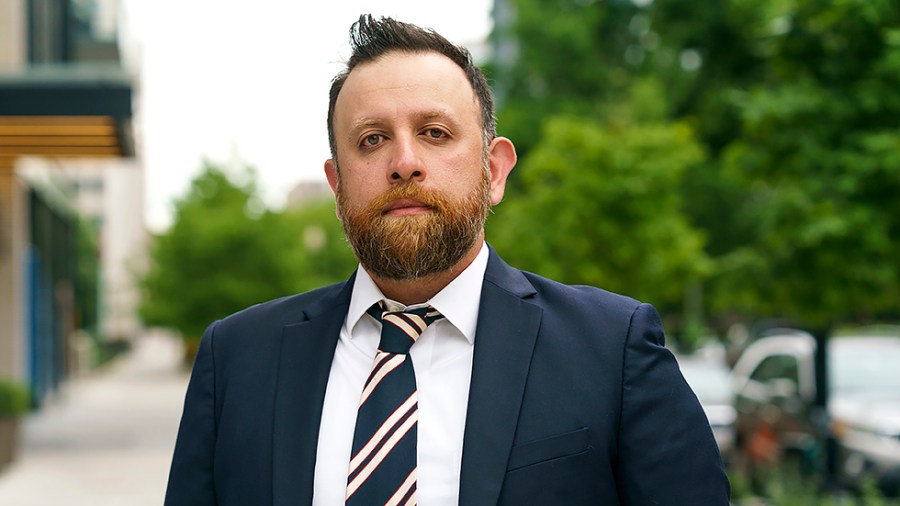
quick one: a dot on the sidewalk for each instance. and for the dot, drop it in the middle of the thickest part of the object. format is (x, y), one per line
(107, 439)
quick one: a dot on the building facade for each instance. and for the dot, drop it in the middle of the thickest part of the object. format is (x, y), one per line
(65, 103)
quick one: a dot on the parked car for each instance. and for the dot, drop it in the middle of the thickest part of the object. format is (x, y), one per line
(710, 380)
(774, 384)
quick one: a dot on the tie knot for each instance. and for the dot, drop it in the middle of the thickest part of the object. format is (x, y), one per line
(400, 329)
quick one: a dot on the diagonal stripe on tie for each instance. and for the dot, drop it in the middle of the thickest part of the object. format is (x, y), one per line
(406, 491)
(383, 464)
(383, 431)
(379, 372)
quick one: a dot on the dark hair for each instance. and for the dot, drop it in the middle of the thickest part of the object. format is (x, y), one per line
(372, 38)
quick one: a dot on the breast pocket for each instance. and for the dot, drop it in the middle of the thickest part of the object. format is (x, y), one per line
(549, 448)
(552, 470)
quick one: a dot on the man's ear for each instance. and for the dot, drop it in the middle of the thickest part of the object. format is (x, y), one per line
(331, 175)
(502, 160)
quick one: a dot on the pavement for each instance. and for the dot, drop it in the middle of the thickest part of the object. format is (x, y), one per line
(107, 437)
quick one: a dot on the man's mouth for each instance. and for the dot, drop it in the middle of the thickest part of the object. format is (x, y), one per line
(406, 207)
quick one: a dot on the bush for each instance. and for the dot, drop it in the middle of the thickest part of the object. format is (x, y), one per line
(14, 398)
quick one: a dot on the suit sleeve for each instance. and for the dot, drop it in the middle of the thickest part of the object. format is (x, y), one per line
(191, 475)
(667, 454)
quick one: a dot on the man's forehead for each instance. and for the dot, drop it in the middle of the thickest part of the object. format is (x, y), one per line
(396, 71)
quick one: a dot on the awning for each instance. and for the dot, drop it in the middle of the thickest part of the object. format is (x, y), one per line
(65, 112)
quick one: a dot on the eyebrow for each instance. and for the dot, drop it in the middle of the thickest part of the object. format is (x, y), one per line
(436, 113)
(363, 123)
(442, 114)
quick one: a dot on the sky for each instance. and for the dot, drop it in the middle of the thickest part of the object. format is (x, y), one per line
(247, 81)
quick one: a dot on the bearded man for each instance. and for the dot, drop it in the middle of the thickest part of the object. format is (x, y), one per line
(437, 374)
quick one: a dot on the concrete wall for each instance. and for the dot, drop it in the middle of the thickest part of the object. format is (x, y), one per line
(13, 233)
(12, 34)
(110, 193)
(124, 245)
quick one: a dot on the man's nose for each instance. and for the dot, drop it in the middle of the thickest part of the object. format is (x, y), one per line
(406, 163)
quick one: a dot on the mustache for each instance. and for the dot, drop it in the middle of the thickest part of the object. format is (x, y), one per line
(434, 199)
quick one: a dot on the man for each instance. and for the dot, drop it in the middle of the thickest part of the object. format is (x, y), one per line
(523, 391)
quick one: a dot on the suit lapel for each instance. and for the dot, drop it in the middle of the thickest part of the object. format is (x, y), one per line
(307, 350)
(504, 341)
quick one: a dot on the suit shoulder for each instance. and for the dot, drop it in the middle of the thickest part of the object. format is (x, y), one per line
(580, 302)
(288, 309)
(588, 297)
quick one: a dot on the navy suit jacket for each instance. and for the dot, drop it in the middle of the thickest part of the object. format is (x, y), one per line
(574, 400)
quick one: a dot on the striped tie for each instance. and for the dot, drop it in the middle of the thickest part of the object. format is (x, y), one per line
(383, 466)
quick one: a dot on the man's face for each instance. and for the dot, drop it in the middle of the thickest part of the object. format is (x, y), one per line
(413, 184)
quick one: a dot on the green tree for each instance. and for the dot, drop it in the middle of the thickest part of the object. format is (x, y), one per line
(793, 101)
(820, 155)
(225, 251)
(566, 57)
(596, 207)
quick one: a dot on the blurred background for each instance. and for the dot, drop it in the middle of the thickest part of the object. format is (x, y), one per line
(735, 163)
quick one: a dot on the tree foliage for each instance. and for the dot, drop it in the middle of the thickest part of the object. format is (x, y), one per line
(794, 104)
(820, 153)
(566, 59)
(596, 207)
(225, 251)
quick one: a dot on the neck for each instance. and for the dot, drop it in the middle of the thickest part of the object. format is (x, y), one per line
(420, 290)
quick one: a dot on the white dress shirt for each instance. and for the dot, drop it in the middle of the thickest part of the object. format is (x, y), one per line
(442, 359)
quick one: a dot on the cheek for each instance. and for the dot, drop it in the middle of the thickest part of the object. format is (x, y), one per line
(357, 189)
(352, 192)
(464, 168)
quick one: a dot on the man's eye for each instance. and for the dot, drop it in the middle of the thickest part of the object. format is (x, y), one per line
(435, 133)
(372, 140)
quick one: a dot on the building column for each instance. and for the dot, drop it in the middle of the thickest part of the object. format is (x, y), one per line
(13, 235)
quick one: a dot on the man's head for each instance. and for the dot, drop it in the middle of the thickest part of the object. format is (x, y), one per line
(372, 38)
(415, 162)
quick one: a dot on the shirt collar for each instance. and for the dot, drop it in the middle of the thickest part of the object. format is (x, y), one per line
(458, 301)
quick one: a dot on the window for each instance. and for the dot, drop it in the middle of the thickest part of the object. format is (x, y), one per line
(777, 367)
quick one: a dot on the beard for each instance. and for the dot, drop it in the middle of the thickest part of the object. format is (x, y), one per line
(411, 247)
